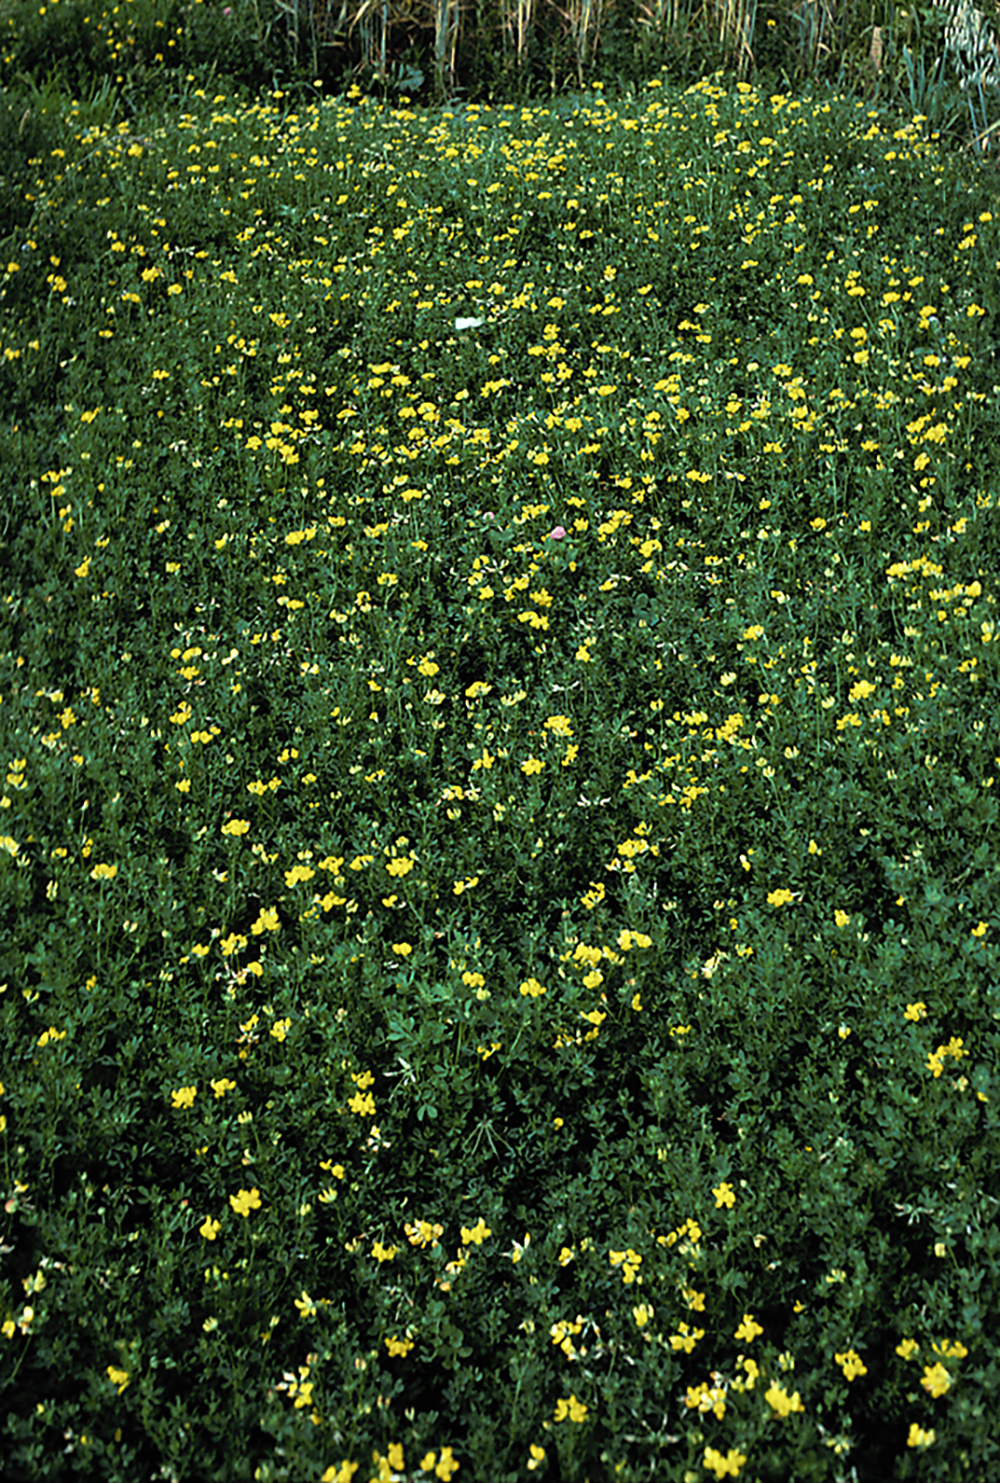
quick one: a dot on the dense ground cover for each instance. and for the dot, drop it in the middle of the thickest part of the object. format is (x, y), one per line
(498, 693)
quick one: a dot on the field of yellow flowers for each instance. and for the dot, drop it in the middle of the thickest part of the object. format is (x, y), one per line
(498, 850)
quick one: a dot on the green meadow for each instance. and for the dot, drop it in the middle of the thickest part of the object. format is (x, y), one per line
(498, 790)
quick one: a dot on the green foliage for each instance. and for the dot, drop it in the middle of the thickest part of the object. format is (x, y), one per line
(498, 670)
(143, 55)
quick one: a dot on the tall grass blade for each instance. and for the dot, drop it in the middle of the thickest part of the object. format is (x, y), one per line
(517, 18)
(371, 19)
(447, 16)
(736, 22)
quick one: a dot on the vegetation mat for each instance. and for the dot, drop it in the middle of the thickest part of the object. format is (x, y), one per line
(498, 699)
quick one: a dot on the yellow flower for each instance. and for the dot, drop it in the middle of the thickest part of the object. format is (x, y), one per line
(749, 1328)
(184, 1097)
(574, 1409)
(210, 1229)
(398, 1346)
(685, 1339)
(936, 1379)
(303, 1394)
(705, 1398)
(780, 898)
(477, 1235)
(532, 766)
(236, 826)
(851, 1364)
(343, 1474)
(723, 1467)
(781, 1402)
(920, 1438)
(445, 1467)
(221, 1087)
(245, 1201)
(118, 1377)
(629, 1261)
(723, 1196)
